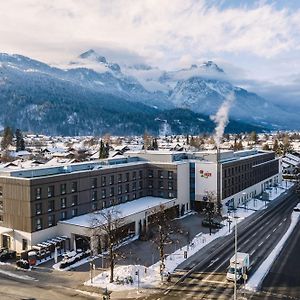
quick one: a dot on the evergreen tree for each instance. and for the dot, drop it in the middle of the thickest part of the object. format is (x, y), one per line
(102, 151)
(106, 150)
(20, 144)
(187, 139)
(7, 138)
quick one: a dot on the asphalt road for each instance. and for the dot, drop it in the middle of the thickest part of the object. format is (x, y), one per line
(203, 276)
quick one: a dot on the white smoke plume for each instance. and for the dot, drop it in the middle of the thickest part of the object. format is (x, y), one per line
(221, 118)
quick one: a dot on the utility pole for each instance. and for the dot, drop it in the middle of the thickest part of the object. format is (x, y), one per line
(235, 259)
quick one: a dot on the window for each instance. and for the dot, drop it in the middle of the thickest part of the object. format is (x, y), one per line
(134, 186)
(74, 187)
(38, 193)
(170, 174)
(1, 205)
(63, 202)
(74, 212)
(150, 173)
(38, 208)
(134, 175)
(161, 184)
(1, 191)
(63, 215)
(50, 191)
(38, 224)
(120, 178)
(140, 194)
(74, 200)
(103, 204)
(171, 195)
(134, 196)
(103, 181)
(160, 174)
(51, 219)
(140, 174)
(150, 185)
(50, 205)
(94, 196)
(140, 185)
(63, 189)
(111, 179)
(127, 188)
(170, 185)
(119, 189)
(119, 199)
(112, 192)
(1, 218)
(94, 183)
(127, 177)
(126, 198)
(94, 206)
(103, 194)
(24, 244)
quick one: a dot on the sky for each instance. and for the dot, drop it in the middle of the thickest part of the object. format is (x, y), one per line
(256, 42)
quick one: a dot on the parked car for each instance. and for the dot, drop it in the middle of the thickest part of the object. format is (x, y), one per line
(212, 224)
(6, 254)
(297, 207)
(22, 263)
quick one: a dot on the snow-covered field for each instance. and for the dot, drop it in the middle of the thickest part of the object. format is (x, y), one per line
(150, 277)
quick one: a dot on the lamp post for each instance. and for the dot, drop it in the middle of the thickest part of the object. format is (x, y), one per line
(235, 259)
(229, 219)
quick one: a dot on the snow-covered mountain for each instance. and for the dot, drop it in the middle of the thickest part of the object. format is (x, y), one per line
(91, 79)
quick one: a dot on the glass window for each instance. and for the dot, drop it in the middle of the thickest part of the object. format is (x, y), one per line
(1, 218)
(103, 193)
(63, 202)
(127, 188)
(150, 185)
(38, 208)
(94, 183)
(170, 174)
(140, 174)
(127, 177)
(24, 244)
(150, 173)
(63, 215)
(119, 177)
(74, 200)
(112, 192)
(134, 175)
(1, 191)
(111, 179)
(50, 205)
(103, 181)
(74, 212)
(94, 196)
(126, 198)
(1, 205)
(170, 185)
(134, 186)
(51, 220)
(160, 174)
(38, 224)
(74, 187)
(119, 189)
(38, 193)
(94, 206)
(103, 204)
(63, 189)
(51, 191)
(140, 185)
(161, 184)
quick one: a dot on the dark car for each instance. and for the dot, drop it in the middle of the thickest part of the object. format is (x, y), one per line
(212, 224)
(6, 254)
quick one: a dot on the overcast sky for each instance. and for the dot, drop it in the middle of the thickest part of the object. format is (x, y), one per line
(257, 43)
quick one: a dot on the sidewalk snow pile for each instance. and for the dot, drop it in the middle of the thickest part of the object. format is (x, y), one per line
(257, 278)
(126, 278)
(17, 276)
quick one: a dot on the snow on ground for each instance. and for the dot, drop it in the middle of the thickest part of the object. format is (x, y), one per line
(150, 277)
(14, 275)
(257, 278)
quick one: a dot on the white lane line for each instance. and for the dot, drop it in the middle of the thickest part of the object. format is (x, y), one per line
(251, 253)
(284, 219)
(215, 281)
(260, 244)
(247, 241)
(280, 224)
(268, 236)
(274, 229)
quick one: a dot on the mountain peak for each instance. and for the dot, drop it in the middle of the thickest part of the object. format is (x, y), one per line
(212, 66)
(93, 55)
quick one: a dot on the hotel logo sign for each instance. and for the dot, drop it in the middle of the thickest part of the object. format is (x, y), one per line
(205, 174)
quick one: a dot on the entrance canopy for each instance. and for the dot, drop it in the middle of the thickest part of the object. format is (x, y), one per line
(5, 230)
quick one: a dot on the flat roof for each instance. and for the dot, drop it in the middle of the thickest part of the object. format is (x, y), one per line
(122, 210)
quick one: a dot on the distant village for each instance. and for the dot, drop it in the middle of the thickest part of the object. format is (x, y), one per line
(22, 150)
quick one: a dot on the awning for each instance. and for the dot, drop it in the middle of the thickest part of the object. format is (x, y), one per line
(5, 230)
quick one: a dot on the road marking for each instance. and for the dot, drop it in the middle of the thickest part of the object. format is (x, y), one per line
(280, 224)
(215, 281)
(274, 229)
(247, 241)
(260, 244)
(166, 292)
(251, 253)
(284, 219)
(267, 222)
(268, 236)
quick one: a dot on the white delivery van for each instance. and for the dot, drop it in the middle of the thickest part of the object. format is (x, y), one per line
(241, 264)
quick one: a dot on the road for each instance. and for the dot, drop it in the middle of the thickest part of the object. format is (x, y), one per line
(203, 276)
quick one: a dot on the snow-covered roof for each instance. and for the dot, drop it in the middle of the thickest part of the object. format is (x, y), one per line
(124, 210)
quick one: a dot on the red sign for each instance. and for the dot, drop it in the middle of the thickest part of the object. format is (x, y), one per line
(205, 174)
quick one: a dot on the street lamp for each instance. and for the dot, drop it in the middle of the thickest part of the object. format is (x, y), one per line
(229, 219)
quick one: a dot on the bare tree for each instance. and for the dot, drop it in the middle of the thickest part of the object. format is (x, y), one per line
(212, 208)
(108, 224)
(162, 230)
